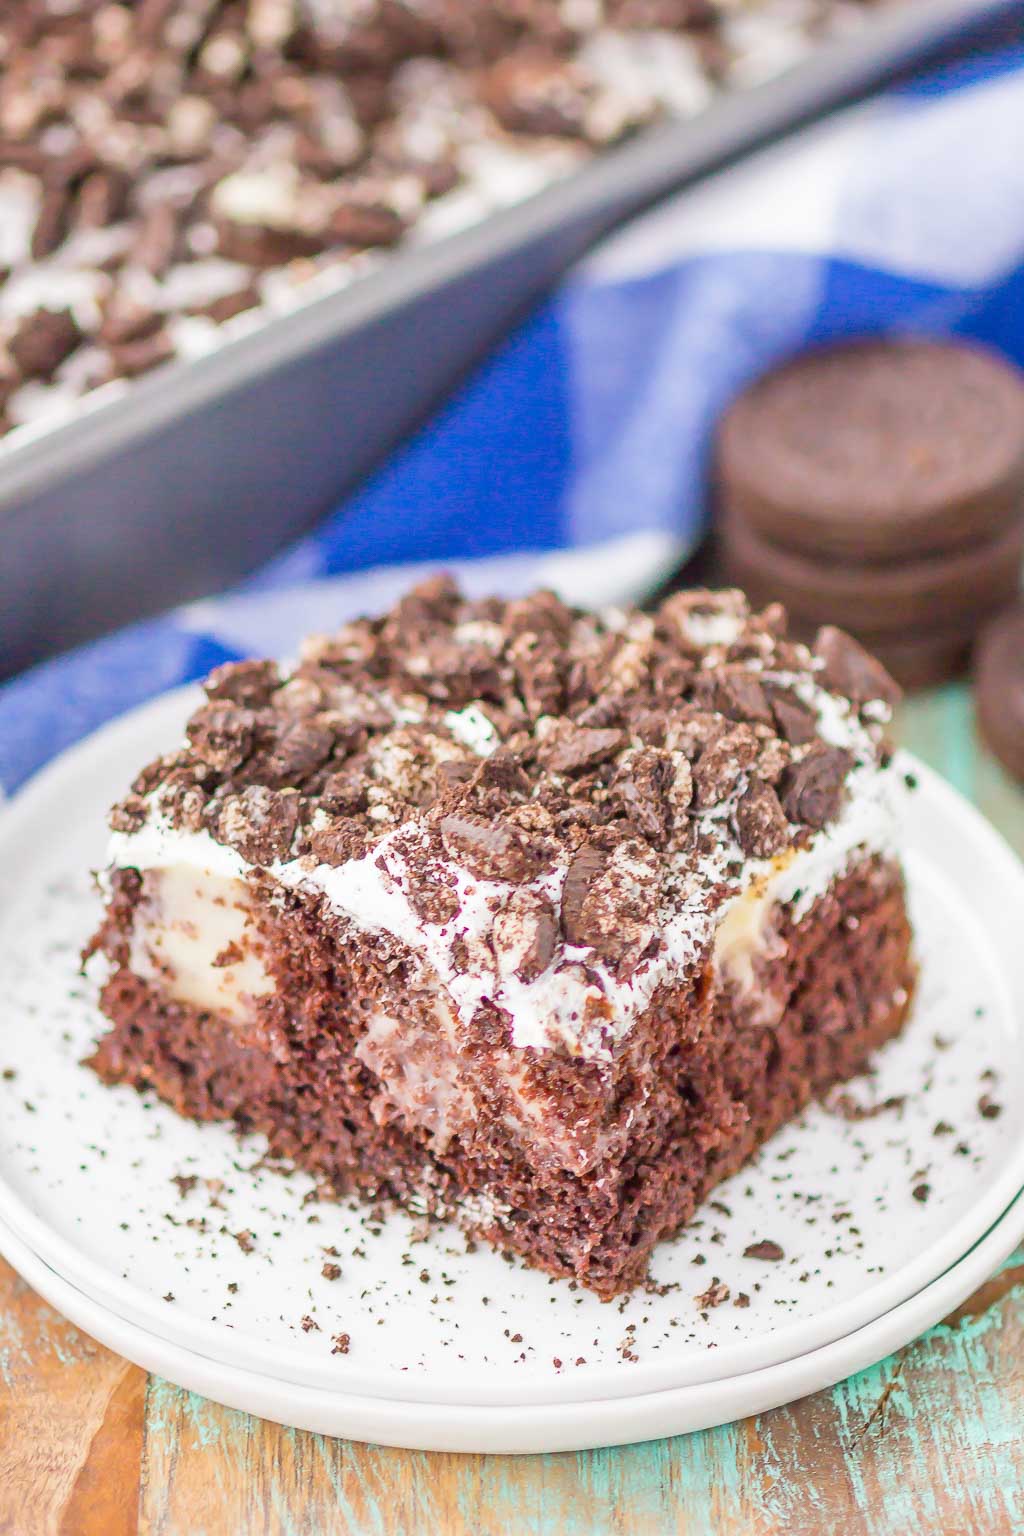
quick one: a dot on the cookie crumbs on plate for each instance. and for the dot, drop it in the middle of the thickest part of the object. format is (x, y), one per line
(716, 1293)
(765, 1248)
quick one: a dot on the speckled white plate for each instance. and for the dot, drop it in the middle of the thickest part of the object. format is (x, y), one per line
(137, 1208)
(542, 1427)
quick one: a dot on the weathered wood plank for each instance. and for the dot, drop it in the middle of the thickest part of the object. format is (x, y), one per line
(71, 1424)
(927, 1440)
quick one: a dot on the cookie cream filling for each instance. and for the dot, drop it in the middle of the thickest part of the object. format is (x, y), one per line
(194, 934)
(577, 1002)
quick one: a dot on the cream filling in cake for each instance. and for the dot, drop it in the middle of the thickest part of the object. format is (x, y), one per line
(194, 933)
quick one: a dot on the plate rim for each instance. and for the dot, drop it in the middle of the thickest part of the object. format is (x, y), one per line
(543, 1428)
(91, 754)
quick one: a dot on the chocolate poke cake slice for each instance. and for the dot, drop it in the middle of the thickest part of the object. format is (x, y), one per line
(538, 919)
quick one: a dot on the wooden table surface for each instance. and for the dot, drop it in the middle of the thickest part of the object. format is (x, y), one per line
(932, 1439)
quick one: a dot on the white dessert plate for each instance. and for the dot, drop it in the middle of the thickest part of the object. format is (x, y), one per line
(544, 1427)
(182, 1230)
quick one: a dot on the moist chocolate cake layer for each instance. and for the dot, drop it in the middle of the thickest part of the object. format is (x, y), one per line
(705, 1077)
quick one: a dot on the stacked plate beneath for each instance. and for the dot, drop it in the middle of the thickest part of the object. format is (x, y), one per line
(178, 1246)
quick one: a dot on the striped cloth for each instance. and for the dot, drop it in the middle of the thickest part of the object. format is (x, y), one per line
(575, 457)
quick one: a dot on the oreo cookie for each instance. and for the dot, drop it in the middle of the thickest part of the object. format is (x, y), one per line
(912, 595)
(878, 450)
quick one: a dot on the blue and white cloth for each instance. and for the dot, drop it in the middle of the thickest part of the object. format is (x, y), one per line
(575, 457)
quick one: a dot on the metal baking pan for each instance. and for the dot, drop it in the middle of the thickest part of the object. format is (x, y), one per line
(204, 469)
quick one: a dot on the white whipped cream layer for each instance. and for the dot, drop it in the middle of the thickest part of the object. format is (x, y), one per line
(558, 1007)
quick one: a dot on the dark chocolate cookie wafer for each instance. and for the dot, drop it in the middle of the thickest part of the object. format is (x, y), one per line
(999, 688)
(878, 448)
(912, 594)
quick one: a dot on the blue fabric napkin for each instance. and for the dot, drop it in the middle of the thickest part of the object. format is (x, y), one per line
(575, 456)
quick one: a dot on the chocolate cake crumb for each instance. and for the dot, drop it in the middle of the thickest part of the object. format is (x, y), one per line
(846, 1105)
(716, 1293)
(765, 1248)
(331, 1271)
(231, 954)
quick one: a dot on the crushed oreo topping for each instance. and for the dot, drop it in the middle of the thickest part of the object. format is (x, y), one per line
(526, 935)
(595, 770)
(259, 823)
(166, 168)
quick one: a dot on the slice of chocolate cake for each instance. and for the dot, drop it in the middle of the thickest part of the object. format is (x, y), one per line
(535, 918)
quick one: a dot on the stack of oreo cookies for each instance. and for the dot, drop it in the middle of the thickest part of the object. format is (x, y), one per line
(879, 486)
